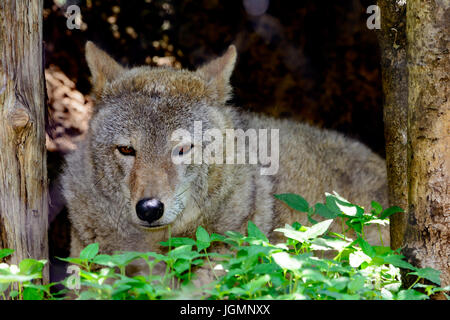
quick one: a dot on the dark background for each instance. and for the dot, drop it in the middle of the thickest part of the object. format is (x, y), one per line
(309, 60)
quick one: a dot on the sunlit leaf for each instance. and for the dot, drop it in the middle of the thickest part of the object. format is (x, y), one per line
(5, 252)
(89, 252)
(390, 211)
(294, 201)
(254, 232)
(430, 274)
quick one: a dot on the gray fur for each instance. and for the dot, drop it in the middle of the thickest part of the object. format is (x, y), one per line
(142, 107)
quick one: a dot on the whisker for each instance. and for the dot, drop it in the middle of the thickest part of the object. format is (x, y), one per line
(95, 184)
(98, 181)
(183, 191)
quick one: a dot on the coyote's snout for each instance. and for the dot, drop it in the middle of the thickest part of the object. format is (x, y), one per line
(129, 180)
(151, 191)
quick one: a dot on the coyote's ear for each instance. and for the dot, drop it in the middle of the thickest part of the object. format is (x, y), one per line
(103, 68)
(218, 72)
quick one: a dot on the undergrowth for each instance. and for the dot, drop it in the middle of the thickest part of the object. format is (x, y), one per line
(251, 268)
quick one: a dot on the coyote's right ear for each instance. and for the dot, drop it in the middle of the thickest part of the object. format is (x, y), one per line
(103, 68)
(218, 72)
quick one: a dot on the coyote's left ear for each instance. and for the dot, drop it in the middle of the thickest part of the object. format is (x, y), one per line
(218, 72)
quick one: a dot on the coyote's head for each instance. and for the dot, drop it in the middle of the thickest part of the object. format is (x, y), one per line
(130, 138)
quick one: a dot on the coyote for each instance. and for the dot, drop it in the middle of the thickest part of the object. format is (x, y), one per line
(124, 189)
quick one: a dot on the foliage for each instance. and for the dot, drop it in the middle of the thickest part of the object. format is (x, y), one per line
(251, 268)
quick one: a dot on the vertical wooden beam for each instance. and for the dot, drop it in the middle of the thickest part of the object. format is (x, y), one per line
(23, 168)
(392, 40)
(427, 236)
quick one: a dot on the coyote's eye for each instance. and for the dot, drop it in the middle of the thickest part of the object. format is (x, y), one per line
(183, 149)
(126, 150)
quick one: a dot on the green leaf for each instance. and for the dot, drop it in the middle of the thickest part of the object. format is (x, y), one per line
(341, 206)
(411, 294)
(386, 294)
(238, 291)
(234, 235)
(320, 244)
(176, 242)
(377, 221)
(348, 210)
(3, 286)
(183, 252)
(318, 229)
(31, 266)
(254, 232)
(181, 265)
(382, 250)
(88, 295)
(356, 284)
(89, 252)
(310, 214)
(322, 210)
(155, 256)
(296, 225)
(286, 261)
(329, 244)
(120, 289)
(294, 201)
(429, 274)
(256, 284)
(397, 261)
(366, 247)
(313, 276)
(104, 260)
(355, 224)
(340, 296)
(77, 261)
(292, 234)
(377, 207)
(255, 250)
(390, 211)
(125, 258)
(32, 294)
(357, 258)
(266, 268)
(202, 235)
(18, 277)
(339, 283)
(5, 252)
(203, 239)
(217, 237)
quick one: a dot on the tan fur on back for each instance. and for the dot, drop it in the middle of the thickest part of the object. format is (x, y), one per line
(143, 106)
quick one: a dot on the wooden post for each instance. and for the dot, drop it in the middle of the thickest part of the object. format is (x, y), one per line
(392, 39)
(427, 236)
(23, 168)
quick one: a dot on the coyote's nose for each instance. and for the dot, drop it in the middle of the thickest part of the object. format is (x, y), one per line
(149, 209)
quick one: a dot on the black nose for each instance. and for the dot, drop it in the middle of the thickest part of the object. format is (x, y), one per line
(149, 209)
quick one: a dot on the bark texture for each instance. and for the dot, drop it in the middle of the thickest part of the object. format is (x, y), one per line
(427, 237)
(392, 39)
(23, 172)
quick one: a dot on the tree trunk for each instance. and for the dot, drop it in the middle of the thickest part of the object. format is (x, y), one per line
(427, 237)
(392, 40)
(23, 168)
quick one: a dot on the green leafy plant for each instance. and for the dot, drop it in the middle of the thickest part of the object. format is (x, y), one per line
(17, 280)
(248, 267)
